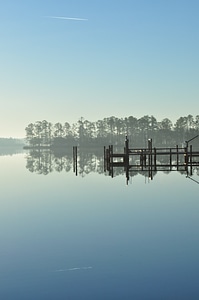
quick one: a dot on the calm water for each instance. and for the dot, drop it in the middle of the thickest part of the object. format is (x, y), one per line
(94, 237)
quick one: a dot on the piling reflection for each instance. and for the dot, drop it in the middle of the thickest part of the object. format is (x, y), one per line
(152, 159)
(84, 161)
(81, 162)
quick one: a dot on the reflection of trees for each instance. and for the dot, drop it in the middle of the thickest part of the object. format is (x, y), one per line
(46, 161)
(92, 161)
(89, 161)
(39, 162)
(63, 163)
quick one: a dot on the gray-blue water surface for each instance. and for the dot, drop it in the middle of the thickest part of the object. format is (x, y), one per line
(94, 237)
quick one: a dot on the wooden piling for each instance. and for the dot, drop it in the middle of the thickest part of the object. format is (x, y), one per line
(190, 153)
(155, 164)
(149, 152)
(75, 160)
(177, 157)
(170, 160)
(126, 153)
(111, 161)
(191, 169)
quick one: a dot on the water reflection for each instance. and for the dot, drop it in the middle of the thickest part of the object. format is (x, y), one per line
(59, 232)
(46, 161)
(86, 161)
(4, 151)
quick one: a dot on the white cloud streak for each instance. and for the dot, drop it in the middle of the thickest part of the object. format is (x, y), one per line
(73, 269)
(67, 18)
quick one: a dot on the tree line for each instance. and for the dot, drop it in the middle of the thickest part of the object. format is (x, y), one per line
(112, 130)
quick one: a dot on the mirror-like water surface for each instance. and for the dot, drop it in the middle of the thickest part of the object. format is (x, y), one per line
(93, 237)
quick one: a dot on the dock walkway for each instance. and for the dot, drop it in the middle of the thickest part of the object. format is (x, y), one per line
(151, 158)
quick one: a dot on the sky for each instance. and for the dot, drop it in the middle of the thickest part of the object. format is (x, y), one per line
(124, 57)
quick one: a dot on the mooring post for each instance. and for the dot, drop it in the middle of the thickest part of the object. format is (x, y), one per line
(190, 153)
(111, 161)
(109, 153)
(141, 158)
(126, 152)
(104, 159)
(144, 158)
(75, 160)
(107, 159)
(170, 161)
(177, 156)
(149, 152)
(155, 159)
(186, 155)
(127, 159)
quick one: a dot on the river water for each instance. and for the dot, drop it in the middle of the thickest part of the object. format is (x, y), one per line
(94, 237)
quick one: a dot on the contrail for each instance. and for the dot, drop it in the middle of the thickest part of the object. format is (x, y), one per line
(73, 269)
(67, 18)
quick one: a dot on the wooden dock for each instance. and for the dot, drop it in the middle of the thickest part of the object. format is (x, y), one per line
(151, 159)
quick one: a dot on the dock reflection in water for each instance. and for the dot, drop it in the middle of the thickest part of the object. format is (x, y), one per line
(150, 160)
(139, 162)
(113, 241)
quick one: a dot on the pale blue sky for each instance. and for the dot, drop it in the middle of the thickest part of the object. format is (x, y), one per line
(130, 58)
